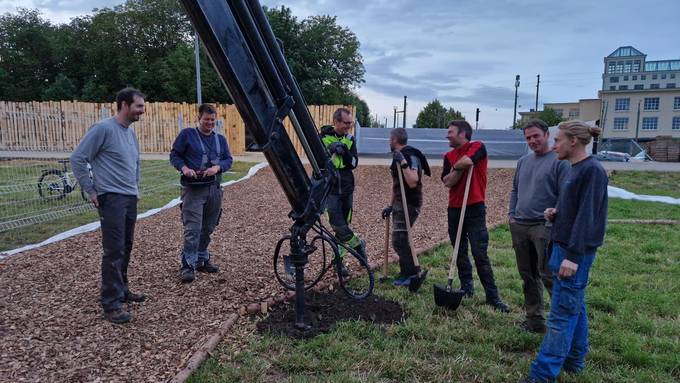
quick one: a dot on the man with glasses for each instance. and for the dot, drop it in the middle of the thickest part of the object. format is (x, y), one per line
(342, 147)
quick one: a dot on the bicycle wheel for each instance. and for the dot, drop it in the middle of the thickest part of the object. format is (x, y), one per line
(355, 276)
(314, 269)
(52, 185)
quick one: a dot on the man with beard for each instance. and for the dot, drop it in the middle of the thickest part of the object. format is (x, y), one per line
(469, 156)
(110, 147)
(412, 164)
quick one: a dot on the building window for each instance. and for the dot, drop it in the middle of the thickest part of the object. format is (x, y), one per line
(672, 75)
(628, 67)
(558, 112)
(654, 77)
(622, 104)
(651, 103)
(649, 123)
(654, 86)
(635, 78)
(636, 66)
(676, 123)
(643, 77)
(623, 87)
(614, 79)
(676, 103)
(620, 123)
(670, 85)
(612, 88)
(619, 67)
(639, 87)
(663, 76)
(573, 114)
(625, 78)
(611, 67)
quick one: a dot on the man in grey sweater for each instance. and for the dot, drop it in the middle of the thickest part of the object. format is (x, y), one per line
(535, 188)
(110, 147)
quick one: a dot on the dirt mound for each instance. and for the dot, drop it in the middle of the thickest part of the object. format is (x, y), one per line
(323, 310)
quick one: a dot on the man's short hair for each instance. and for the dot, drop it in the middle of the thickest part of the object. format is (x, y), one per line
(536, 123)
(127, 95)
(206, 109)
(462, 126)
(337, 115)
(399, 135)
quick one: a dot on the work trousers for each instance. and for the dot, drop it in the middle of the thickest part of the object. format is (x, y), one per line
(117, 214)
(201, 209)
(400, 237)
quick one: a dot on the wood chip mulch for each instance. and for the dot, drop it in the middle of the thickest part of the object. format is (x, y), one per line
(51, 324)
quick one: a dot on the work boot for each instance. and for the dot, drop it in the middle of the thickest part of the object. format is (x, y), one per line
(538, 328)
(132, 297)
(207, 267)
(468, 289)
(499, 305)
(361, 249)
(343, 269)
(188, 275)
(401, 280)
(118, 316)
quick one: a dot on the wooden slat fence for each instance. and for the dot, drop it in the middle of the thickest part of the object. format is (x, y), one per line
(58, 126)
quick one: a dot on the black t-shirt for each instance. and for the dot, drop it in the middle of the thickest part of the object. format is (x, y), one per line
(414, 197)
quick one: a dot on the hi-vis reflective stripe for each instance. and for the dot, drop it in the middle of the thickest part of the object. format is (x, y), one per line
(336, 159)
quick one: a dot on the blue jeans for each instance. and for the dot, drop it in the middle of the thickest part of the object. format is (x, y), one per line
(565, 344)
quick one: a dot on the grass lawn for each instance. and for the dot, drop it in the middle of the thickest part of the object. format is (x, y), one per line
(18, 195)
(634, 310)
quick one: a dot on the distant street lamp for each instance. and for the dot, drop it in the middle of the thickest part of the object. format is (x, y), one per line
(514, 115)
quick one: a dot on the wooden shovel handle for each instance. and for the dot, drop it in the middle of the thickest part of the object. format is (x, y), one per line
(387, 244)
(460, 224)
(408, 221)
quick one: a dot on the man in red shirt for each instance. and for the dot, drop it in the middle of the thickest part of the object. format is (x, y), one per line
(465, 155)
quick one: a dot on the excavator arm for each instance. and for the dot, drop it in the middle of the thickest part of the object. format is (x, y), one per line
(243, 49)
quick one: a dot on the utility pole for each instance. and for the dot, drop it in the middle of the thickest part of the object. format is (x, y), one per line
(199, 97)
(637, 124)
(477, 119)
(514, 115)
(538, 81)
(394, 124)
(404, 112)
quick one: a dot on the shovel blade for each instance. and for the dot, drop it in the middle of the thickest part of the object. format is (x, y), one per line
(417, 281)
(444, 296)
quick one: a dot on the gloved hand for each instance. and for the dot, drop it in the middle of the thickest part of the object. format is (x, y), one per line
(336, 148)
(387, 212)
(397, 156)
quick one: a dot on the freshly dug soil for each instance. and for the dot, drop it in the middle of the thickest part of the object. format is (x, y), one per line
(51, 324)
(324, 309)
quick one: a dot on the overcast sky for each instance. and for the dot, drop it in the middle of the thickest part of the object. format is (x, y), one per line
(467, 53)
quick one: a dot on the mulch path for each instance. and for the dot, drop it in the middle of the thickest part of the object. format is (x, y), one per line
(51, 325)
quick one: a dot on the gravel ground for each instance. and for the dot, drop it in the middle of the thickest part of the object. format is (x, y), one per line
(51, 325)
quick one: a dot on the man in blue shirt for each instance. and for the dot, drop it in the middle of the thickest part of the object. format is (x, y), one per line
(201, 156)
(579, 223)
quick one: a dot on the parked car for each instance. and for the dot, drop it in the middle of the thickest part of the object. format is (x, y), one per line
(607, 155)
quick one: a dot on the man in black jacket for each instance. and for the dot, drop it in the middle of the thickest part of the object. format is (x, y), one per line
(412, 163)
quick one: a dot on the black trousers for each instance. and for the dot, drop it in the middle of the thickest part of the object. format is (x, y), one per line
(475, 233)
(118, 214)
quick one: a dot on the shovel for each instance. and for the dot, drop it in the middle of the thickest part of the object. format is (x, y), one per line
(445, 295)
(415, 280)
(385, 277)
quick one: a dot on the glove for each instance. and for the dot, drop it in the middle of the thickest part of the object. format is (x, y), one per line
(387, 212)
(336, 148)
(397, 157)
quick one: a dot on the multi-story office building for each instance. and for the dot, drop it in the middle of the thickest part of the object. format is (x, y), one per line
(640, 98)
(585, 109)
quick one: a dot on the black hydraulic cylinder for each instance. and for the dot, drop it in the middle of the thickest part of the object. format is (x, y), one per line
(261, 111)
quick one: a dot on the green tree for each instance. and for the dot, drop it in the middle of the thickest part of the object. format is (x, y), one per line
(435, 115)
(61, 89)
(550, 117)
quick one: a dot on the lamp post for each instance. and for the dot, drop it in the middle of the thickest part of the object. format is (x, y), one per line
(514, 115)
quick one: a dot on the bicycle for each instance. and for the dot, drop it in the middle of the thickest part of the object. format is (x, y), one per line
(324, 241)
(55, 184)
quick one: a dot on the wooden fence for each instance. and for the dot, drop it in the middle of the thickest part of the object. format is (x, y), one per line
(58, 126)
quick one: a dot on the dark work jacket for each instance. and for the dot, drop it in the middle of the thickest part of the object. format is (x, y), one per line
(414, 197)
